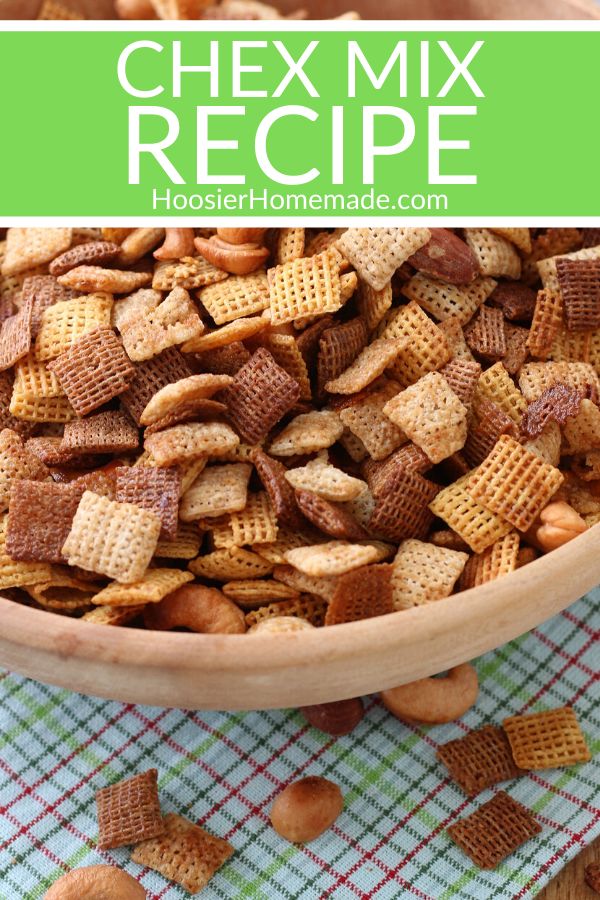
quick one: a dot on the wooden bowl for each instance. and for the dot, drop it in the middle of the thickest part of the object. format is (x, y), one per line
(262, 671)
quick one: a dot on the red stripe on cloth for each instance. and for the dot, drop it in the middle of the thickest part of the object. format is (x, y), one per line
(53, 806)
(63, 762)
(575, 620)
(551, 788)
(253, 809)
(547, 642)
(571, 661)
(577, 838)
(68, 826)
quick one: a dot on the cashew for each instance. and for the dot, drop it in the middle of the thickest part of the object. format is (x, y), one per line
(560, 524)
(434, 700)
(201, 609)
(179, 242)
(306, 808)
(241, 235)
(96, 883)
(238, 259)
(279, 624)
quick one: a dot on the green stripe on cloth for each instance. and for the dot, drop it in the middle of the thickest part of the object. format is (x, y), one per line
(224, 771)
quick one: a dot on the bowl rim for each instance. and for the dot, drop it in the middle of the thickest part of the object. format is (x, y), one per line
(41, 629)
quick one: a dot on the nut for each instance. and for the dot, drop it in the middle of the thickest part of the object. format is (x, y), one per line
(280, 624)
(237, 259)
(138, 243)
(592, 876)
(560, 524)
(241, 235)
(340, 717)
(306, 808)
(446, 257)
(434, 700)
(135, 9)
(201, 609)
(179, 242)
(96, 883)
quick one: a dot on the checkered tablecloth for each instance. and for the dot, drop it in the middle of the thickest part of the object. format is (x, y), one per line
(224, 770)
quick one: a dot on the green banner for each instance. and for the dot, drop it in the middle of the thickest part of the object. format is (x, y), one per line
(300, 122)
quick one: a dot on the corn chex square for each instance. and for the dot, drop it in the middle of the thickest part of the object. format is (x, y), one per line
(432, 416)
(236, 297)
(217, 491)
(424, 345)
(65, 322)
(376, 253)
(514, 483)
(546, 740)
(423, 573)
(305, 287)
(113, 539)
(444, 301)
(476, 525)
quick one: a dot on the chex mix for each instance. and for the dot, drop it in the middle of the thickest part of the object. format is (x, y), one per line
(250, 430)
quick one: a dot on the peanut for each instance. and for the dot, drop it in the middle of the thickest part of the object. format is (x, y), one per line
(241, 235)
(560, 524)
(280, 624)
(306, 808)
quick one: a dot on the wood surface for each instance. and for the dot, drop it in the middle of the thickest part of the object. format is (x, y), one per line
(301, 668)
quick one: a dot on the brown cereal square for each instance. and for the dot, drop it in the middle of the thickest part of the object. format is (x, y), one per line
(558, 403)
(494, 831)
(579, 282)
(129, 811)
(403, 511)
(489, 423)
(89, 253)
(261, 394)
(486, 335)
(39, 520)
(106, 432)
(93, 370)
(479, 760)
(226, 360)
(330, 518)
(462, 375)
(546, 740)
(150, 377)
(44, 291)
(154, 489)
(361, 594)
(338, 347)
(272, 473)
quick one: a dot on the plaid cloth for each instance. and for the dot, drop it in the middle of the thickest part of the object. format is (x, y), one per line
(224, 770)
